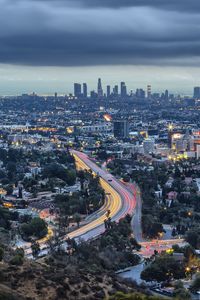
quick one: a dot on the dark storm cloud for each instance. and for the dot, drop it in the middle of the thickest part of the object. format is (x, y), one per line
(92, 32)
(169, 4)
(178, 5)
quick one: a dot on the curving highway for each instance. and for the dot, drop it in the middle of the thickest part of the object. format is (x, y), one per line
(120, 201)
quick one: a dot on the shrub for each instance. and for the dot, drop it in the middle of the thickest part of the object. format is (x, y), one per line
(1, 253)
(17, 260)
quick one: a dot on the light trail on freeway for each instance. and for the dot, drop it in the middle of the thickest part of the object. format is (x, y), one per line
(121, 201)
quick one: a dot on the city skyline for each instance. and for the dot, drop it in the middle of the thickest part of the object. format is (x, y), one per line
(18, 82)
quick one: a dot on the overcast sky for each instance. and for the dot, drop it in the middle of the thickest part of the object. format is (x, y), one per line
(46, 45)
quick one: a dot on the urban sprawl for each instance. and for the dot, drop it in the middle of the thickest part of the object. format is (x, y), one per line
(103, 186)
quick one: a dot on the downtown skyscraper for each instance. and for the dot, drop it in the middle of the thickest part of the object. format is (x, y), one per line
(85, 90)
(99, 89)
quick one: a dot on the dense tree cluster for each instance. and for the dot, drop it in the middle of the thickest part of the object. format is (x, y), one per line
(17, 257)
(35, 228)
(55, 170)
(195, 286)
(118, 236)
(89, 199)
(113, 250)
(193, 237)
(151, 226)
(163, 268)
(6, 217)
(55, 165)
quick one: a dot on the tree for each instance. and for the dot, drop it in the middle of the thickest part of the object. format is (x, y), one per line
(54, 243)
(9, 189)
(62, 201)
(37, 227)
(126, 178)
(55, 170)
(173, 232)
(193, 237)
(35, 247)
(18, 258)
(150, 227)
(195, 286)
(2, 174)
(20, 192)
(11, 167)
(1, 253)
(81, 175)
(180, 292)
(77, 218)
(177, 172)
(102, 154)
(163, 268)
(63, 223)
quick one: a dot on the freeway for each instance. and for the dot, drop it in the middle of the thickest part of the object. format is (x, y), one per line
(136, 221)
(123, 198)
(120, 201)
